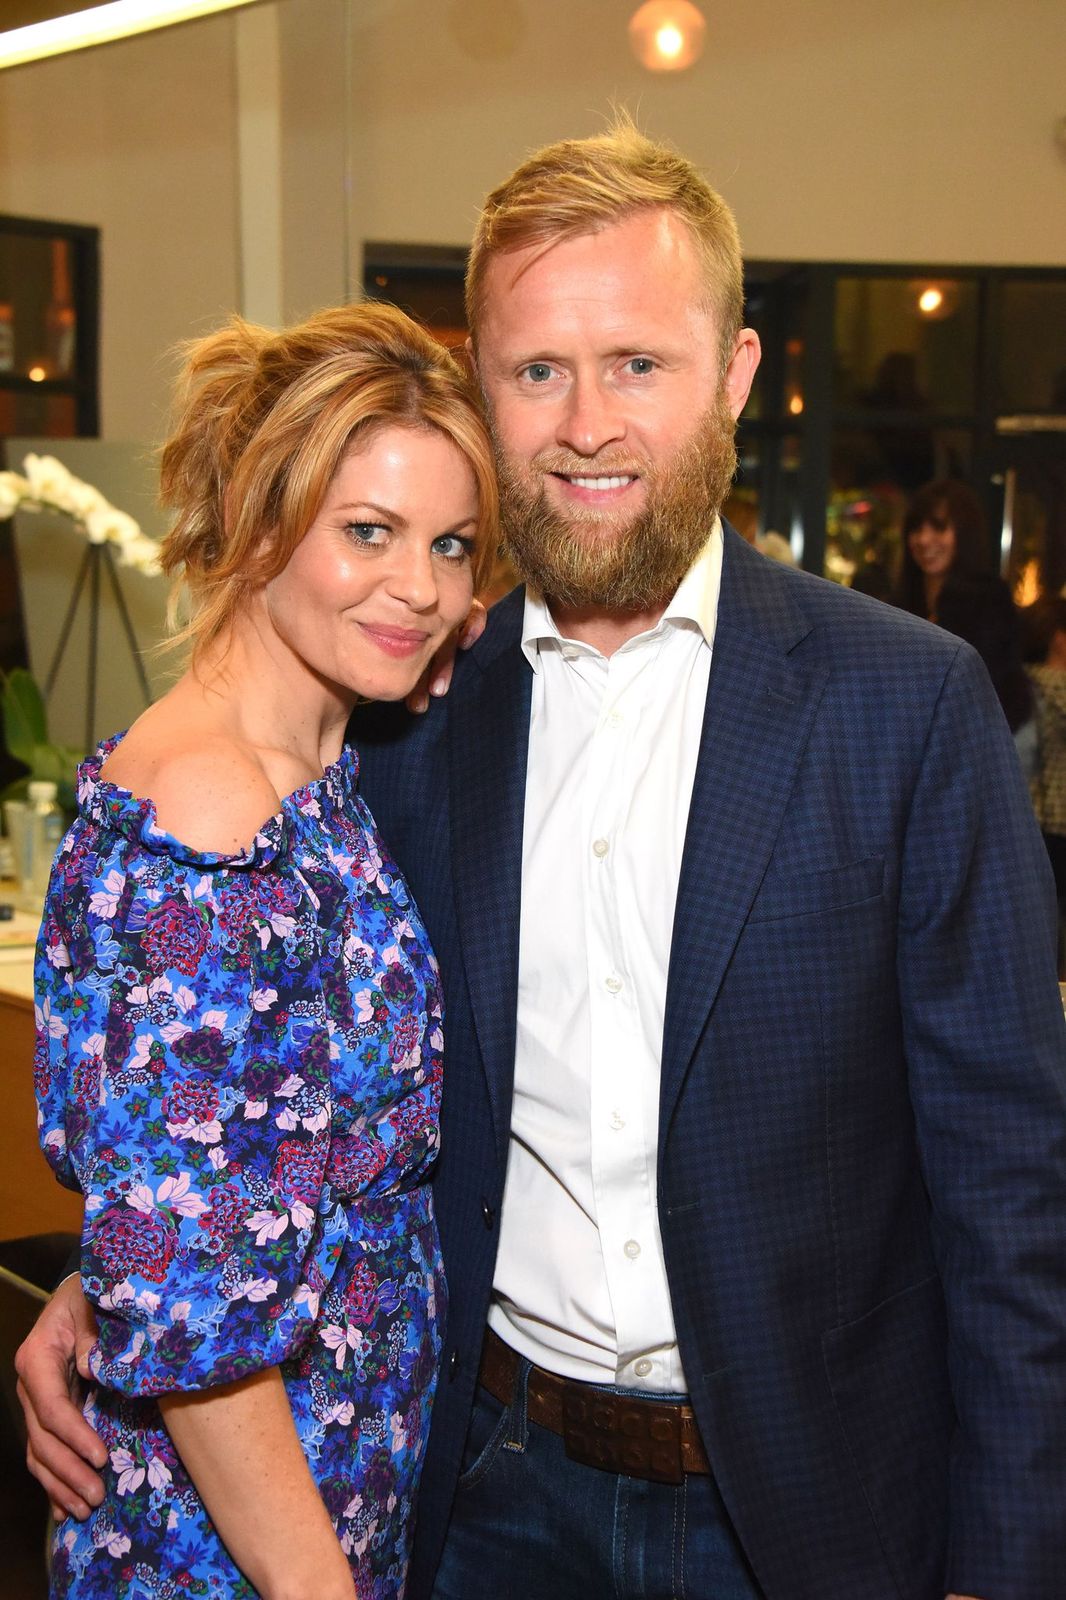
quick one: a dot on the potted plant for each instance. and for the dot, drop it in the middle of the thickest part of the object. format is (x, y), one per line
(25, 732)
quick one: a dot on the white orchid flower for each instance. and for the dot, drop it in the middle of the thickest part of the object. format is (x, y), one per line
(49, 485)
(142, 554)
(106, 525)
(50, 481)
(13, 490)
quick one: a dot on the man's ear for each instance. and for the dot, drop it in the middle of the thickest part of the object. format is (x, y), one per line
(740, 373)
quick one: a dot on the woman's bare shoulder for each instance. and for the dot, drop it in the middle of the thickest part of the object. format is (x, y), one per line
(208, 790)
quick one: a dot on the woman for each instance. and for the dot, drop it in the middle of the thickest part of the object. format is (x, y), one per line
(238, 1058)
(946, 575)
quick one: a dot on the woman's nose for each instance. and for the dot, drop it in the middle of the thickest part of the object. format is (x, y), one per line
(413, 578)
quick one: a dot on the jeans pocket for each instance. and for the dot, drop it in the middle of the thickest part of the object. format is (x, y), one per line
(489, 1425)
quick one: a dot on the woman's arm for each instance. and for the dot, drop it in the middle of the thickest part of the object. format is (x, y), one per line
(237, 1441)
(239, 1445)
(174, 1240)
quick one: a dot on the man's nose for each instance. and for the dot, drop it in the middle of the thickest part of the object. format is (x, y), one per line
(592, 418)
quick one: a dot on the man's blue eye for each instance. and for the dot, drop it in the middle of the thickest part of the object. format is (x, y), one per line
(538, 371)
(641, 365)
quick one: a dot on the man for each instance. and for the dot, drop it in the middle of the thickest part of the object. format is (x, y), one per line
(753, 1160)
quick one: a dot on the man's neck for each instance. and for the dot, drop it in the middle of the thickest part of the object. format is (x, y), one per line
(606, 631)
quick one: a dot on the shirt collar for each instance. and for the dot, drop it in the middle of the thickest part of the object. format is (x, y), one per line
(695, 602)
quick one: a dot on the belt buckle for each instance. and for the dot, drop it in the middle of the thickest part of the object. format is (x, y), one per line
(639, 1438)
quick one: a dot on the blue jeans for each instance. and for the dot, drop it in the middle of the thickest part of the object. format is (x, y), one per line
(530, 1524)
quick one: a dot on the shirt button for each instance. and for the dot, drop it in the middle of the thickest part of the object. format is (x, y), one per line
(615, 719)
(600, 847)
(632, 1249)
(617, 1121)
(642, 1367)
(614, 985)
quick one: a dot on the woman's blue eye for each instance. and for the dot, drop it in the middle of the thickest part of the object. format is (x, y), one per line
(365, 532)
(538, 372)
(453, 547)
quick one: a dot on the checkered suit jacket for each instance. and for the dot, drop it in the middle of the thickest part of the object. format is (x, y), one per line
(862, 1145)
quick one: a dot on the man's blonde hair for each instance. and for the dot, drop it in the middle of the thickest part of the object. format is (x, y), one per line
(579, 186)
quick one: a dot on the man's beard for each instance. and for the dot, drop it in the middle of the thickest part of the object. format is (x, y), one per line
(587, 557)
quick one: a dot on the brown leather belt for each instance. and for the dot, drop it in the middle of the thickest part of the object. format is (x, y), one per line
(655, 1439)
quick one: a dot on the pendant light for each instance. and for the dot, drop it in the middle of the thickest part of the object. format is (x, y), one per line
(667, 35)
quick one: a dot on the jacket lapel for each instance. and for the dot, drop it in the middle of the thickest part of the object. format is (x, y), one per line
(488, 740)
(761, 701)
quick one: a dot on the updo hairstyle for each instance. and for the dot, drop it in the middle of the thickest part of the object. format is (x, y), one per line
(263, 421)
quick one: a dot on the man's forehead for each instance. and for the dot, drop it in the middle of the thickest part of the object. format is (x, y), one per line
(649, 241)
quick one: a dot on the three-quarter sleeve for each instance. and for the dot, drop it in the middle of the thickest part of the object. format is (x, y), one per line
(183, 1074)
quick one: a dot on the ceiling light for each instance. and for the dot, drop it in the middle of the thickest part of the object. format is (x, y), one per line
(667, 35)
(935, 301)
(101, 25)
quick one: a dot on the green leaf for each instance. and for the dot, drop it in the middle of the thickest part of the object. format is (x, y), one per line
(24, 717)
(25, 730)
(58, 764)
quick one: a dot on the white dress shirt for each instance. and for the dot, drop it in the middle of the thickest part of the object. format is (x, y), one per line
(580, 1285)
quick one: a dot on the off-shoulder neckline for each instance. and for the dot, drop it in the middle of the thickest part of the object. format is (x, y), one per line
(135, 815)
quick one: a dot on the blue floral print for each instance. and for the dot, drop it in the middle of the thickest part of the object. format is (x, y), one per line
(239, 1065)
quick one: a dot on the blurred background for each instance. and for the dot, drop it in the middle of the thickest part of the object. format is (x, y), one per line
(899, 176)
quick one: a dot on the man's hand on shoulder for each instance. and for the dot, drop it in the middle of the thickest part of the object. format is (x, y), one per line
(437, 678)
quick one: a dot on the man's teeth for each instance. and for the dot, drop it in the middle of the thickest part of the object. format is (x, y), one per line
(600, 483)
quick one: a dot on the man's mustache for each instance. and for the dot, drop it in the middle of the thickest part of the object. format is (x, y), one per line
(560, 464)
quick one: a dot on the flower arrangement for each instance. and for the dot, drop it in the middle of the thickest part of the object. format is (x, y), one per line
(49, 486)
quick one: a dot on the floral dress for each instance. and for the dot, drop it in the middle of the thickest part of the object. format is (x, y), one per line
(238, 1064)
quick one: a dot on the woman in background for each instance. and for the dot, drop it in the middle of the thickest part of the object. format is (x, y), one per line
(947, 576)
(239, 1049)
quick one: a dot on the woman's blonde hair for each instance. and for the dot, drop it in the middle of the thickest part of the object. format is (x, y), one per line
(579, 186)
(263, 421)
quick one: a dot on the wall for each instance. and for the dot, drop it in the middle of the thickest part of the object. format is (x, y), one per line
(150, 140)
(917, 131)
(135, 138)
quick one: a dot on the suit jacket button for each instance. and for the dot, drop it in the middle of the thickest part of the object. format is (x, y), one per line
(488, 1214)
(453, 1366)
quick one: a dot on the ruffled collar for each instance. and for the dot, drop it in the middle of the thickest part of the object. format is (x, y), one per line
(134, 816)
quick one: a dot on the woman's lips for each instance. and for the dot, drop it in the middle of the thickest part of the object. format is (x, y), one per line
(399, 642)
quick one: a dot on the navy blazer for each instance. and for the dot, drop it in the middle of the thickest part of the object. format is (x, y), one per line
(862, 1139)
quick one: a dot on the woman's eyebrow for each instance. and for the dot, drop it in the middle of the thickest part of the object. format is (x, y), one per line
(371, 505)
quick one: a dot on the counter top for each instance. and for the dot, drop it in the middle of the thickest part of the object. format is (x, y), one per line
(16, 974)
(18, 936)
